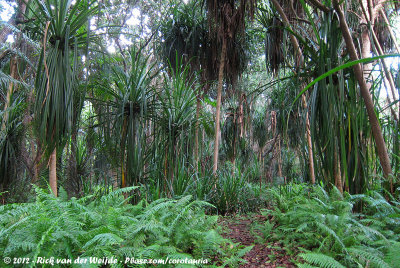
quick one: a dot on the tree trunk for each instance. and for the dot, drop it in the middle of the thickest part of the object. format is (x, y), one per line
(13, 74)
(309, 142)
(279, 159)
(218, 112)
(369, 105)
(336, 170)
(196, 135)
(53, 172)
(123, 139)
(388, 75)
(300, 61)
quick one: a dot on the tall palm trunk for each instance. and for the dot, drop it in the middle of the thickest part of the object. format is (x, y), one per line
(300, 60)
(369, 105)
(53, 172)
(218, 112)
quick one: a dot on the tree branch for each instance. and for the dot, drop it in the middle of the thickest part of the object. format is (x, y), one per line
(319, 5)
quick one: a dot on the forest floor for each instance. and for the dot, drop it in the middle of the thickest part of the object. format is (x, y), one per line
(241, 229)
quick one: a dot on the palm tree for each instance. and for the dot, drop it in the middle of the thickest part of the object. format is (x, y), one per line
(62, 28)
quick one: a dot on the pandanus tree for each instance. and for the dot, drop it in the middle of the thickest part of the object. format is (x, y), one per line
(339, 131)
(126, 98)
(360, 76)
(174, 125)
(187, 46)
(368, 11)
(62, 28)
(227, 19)
(235, 127)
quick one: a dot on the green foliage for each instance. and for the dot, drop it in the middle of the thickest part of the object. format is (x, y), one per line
(11, 131)
(321, 260)
(64, 26)
(108, 227)
(125, 100)
(324, 222)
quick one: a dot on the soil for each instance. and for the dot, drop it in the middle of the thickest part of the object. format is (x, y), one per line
(270, 254)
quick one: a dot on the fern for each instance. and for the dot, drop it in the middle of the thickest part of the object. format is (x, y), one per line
(324, 222)
(109, 227)
(367, 256)
(392, 257)
(321, 260)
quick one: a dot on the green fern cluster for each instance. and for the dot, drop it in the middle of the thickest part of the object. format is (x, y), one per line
(109, 227)
(324, 225)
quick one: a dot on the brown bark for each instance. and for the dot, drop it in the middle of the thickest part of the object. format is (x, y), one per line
(319, 5)
(309, 142)
(336, 171)
(218, 109)
(369, 105)
(53, 172)
(300, 61)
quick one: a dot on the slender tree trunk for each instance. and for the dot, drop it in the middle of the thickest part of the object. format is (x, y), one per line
(300, 60)
(218, 112)
(196, 135)
(124, 131)
(279, 159)
(11, 88)
(369, 105)
(336, 170)
(19, 16)
(53, 172)
(388, 74)
(309, 142)
(390, 30)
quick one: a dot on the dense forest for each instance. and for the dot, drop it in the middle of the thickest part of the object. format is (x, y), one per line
(207, 133)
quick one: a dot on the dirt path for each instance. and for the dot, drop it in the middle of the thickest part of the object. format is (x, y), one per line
(239, 229)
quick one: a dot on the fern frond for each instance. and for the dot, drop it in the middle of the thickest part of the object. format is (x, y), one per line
(367, 256)
(321, 260)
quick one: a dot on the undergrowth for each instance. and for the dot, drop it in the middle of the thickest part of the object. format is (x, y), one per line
(108, 226)
(325, 227)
